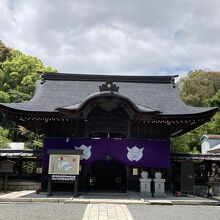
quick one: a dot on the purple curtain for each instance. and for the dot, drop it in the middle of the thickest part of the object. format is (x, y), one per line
(140, 153)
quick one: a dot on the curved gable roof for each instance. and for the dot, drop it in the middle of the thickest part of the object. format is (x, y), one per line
(107, 94)
(62, 90)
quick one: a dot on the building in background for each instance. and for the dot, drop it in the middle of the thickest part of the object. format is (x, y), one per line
(16, 145)
(208, 142)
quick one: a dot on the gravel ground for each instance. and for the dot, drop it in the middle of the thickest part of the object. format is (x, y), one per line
(41, 211)
(184, 212)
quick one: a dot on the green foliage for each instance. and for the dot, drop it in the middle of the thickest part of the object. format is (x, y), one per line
(4, 97)
(190, 142)
(38, 144)
(32, 141)
(4, 52)
(199, 88)
(34, 144)
(18, 75)
(215, 100)
(16, 96)
(4, 137)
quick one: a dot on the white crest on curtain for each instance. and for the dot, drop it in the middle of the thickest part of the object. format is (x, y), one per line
(86, 152)
(134, 153)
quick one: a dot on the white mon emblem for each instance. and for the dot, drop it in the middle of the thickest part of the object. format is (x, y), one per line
(86, 152)
(135, 153)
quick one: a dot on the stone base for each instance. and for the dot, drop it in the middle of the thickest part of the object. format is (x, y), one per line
(156, 194)
(159, 188)
(145, 187)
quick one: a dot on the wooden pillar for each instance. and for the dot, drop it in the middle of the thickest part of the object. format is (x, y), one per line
(76, 128)
(5, 186)
(86, 133)
(129, 129)
(85, 176)
(49, 186)
(169, 185)
(20, 162)
(76, 186)
(127, 167)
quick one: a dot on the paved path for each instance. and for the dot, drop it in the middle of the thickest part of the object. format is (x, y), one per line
(117, 198)
(175, 212)
(41, 211)
(104, 211)
(16, 194)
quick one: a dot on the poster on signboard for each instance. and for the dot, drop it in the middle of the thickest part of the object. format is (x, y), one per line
(64, 164)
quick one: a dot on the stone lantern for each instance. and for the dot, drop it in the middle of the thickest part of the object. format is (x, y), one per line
(159, 185)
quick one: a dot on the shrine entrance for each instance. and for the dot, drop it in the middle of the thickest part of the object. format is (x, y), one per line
(107, 175)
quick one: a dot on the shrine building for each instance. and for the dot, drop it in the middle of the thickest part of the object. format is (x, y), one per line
(123, 124)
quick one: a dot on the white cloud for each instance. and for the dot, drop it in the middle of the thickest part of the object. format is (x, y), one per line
(115, 37)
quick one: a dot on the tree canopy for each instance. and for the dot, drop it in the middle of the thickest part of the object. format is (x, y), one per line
(18, 74)
(4, 52)
(199, 88)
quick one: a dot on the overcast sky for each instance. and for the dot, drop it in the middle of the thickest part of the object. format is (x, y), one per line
(141, 37)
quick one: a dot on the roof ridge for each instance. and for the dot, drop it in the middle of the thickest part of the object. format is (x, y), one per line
(114, 78)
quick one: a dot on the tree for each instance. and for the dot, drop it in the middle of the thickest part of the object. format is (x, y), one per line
(199, 88)
(4, 52)
(215, 100)
(4, 97)
(4, 137)
(32, 140)
(18, 75)
(17, 96)
(190, 142)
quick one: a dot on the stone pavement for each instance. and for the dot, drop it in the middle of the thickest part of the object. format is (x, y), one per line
(105, 198)
(104, 206)
(107, 212)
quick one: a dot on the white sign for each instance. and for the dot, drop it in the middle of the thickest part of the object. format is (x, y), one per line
(64, 164)
(64, 178)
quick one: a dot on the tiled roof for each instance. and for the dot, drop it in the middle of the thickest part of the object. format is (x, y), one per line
(199, 157)
(215, 149)
(146, 93)
(20, 153)
(210, 136)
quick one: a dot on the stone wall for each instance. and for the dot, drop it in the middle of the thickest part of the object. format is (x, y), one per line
(21, 185)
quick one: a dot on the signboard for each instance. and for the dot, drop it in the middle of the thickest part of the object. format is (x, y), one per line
(64, 164)
(63, 178)
(7, 166)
